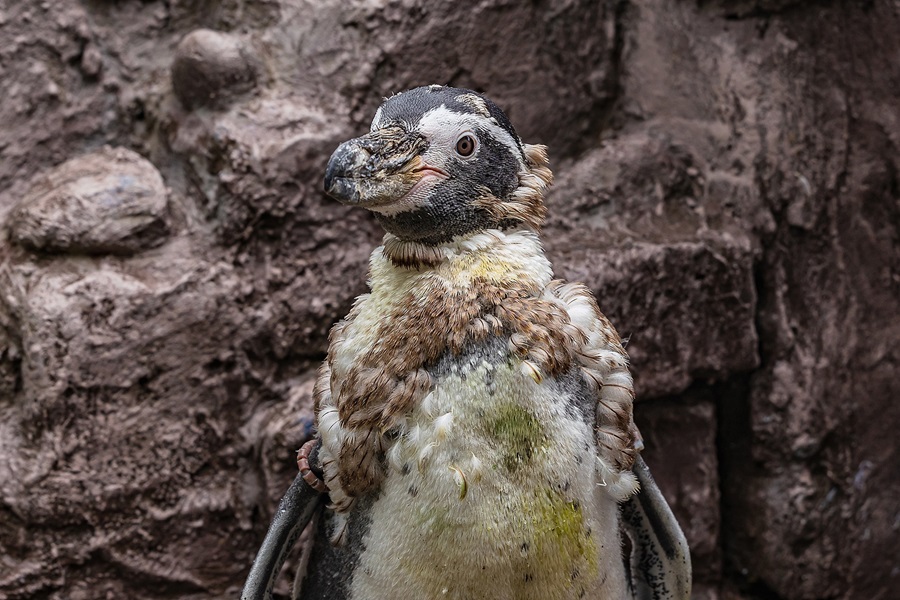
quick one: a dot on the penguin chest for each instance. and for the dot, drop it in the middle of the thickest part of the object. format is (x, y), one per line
(490, 492)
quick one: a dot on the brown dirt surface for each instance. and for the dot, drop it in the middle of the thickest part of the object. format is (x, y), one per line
(727, 185)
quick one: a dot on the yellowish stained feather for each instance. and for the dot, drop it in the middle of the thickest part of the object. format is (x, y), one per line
(461, 481)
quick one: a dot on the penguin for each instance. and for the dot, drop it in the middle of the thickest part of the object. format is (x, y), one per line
(474, 413)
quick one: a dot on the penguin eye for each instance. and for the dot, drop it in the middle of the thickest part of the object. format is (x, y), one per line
(465, 145)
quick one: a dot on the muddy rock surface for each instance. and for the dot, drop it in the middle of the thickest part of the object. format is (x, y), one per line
(213, 69)
(111, 201)
(727, 185)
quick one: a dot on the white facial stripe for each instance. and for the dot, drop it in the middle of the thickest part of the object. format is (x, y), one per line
(442, 127)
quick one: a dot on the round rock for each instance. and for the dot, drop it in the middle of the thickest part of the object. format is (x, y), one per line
(109, 202)
(212, 68)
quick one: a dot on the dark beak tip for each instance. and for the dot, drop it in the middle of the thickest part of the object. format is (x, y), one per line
(329, 179)
(334, 169)
(339, 170)
(340, 188)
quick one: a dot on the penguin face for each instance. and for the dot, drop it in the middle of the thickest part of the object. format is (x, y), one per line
(432, 160)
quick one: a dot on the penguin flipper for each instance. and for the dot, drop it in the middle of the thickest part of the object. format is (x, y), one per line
(659, 564)
(297, 507)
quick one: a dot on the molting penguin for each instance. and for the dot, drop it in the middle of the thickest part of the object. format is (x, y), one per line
(474, 413)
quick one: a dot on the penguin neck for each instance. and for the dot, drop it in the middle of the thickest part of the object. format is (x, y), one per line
(500, 258)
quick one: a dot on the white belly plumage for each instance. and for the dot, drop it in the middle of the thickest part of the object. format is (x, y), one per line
(491, 492)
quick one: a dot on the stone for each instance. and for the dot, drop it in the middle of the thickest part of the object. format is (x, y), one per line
(686, 309)
(212, 68)
(112, 201)
(674, 277)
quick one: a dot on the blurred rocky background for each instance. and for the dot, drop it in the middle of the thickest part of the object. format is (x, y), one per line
(727, 184)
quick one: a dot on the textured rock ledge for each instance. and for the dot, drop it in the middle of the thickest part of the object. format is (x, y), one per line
(111, 201)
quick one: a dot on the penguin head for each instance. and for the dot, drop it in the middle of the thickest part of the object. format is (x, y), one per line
(441, 162)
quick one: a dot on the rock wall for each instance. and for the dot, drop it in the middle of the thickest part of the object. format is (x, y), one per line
(727, 184)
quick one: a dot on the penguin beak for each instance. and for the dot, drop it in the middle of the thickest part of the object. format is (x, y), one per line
(377, 169)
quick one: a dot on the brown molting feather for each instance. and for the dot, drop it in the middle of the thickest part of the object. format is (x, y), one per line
(414, 336)
(539, 162)
(358, 473)
(526, 203)
(474, 102)
(322, 386)
(616, 432)
(386, 382)
(411, 255)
